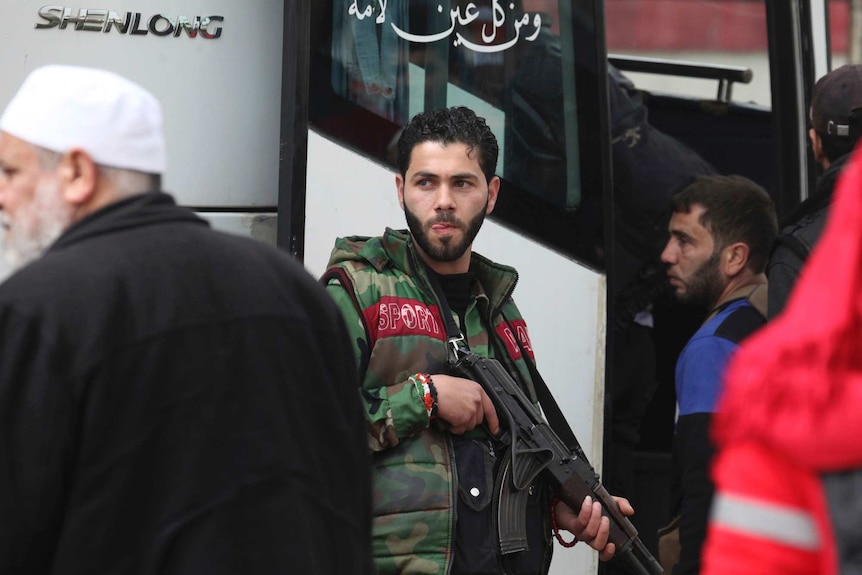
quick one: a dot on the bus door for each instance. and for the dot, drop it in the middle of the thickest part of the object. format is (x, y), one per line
(724, 86)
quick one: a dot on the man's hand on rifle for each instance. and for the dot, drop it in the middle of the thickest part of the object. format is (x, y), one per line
(462, 405)
(589, 525)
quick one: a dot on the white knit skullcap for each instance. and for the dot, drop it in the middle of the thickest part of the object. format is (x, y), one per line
(114, 120)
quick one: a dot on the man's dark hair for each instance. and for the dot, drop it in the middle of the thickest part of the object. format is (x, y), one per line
(449, 126)
(735, 210)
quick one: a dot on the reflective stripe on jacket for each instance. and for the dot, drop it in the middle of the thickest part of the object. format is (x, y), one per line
(768, 517)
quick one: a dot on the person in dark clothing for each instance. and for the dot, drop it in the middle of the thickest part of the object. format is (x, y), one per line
(173, 400)
(649, 166)
(721, 230)
(836, 124)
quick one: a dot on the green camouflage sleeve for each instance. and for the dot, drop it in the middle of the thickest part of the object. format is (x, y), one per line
(394, 411)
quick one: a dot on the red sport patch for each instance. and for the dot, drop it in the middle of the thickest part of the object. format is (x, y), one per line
(396, 316)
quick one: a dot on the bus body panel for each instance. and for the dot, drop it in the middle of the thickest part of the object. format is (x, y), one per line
(220, 95)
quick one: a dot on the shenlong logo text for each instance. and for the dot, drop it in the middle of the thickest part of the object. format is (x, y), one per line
(131, 23)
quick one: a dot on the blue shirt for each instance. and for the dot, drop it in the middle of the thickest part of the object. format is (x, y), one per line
(699, 380)
(701, 365)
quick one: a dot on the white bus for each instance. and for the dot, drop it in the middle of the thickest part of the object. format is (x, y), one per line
(281, 116)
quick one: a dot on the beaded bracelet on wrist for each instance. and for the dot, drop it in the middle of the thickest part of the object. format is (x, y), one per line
(557, 534)
(425, 387)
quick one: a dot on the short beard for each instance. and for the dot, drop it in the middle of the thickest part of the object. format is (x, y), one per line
(706, 285)
(446, 251)
(36, 226)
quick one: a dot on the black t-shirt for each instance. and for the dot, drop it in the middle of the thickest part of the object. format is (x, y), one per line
(456, 290)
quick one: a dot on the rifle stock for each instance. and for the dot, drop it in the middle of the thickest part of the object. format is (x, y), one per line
(535, 448)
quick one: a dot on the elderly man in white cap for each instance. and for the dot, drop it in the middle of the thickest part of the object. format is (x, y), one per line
(173, 400)
(90, 132)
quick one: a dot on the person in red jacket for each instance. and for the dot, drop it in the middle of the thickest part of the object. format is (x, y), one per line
(789, 431)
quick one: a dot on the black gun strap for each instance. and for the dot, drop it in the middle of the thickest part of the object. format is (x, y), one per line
(455, 338)
(551, 409)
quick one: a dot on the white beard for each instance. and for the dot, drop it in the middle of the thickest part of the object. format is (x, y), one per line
(36, 225)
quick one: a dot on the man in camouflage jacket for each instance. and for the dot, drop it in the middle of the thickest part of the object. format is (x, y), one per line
(433, 465)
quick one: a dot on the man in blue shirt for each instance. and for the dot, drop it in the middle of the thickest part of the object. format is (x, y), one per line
(721, 231)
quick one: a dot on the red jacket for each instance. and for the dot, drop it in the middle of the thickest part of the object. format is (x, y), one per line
(792, 411)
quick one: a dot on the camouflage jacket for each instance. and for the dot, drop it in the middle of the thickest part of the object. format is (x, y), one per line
(395, 322)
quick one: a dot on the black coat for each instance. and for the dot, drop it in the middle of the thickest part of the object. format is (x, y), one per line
(175, 400)
(798, 237)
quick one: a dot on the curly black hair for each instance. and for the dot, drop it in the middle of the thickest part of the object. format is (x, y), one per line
(447, 126)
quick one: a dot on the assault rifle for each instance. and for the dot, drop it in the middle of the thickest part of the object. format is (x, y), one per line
(535, 448)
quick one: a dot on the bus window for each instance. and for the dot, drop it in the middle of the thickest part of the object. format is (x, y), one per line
(703, 71)
(729, 32)
(530, 67)
(369, 59)
(845, 32)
